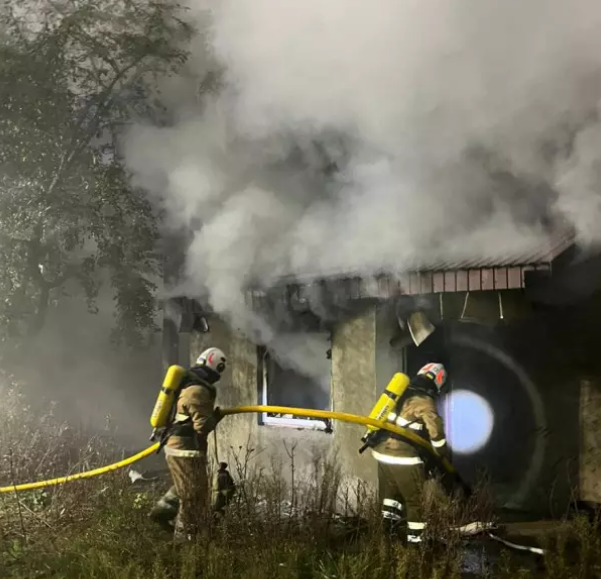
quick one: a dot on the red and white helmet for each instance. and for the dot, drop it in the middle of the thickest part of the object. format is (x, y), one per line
(212, 358)
(436, 372)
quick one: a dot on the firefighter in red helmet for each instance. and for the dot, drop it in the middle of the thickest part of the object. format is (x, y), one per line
(402, 471)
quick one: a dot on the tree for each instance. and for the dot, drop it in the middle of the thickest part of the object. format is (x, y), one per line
(71, 79)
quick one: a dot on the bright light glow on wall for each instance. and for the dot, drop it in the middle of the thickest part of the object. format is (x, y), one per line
(470, 420)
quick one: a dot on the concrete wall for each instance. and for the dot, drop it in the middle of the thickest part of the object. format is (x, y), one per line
(241, 439)
(353, 390)
(590, 442)
(534, 465)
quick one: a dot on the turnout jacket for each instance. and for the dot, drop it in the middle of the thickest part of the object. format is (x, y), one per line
(417, 413)
(194, 417)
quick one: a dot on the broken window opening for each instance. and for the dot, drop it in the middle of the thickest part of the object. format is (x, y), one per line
(294, 387)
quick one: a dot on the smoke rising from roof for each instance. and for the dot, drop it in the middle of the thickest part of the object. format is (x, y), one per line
(353, 136)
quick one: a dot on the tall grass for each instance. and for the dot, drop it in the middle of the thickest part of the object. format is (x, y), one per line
(311, 529)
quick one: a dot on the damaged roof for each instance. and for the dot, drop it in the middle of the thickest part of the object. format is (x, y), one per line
(505, 269)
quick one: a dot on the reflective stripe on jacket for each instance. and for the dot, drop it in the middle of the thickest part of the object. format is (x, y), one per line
(400, 460)
(183, 453)
(418, 413)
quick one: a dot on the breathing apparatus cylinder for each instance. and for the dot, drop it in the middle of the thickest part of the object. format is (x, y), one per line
(387, 402)
(166, 398)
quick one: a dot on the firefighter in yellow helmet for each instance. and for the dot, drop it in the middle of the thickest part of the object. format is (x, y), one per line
(186, 446)
(402, 472)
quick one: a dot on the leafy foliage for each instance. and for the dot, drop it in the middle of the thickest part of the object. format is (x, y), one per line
(73, 74)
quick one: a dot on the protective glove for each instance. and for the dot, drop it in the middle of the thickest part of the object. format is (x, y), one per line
(213, 421)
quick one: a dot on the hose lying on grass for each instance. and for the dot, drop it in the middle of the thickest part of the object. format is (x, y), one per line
(407, 435)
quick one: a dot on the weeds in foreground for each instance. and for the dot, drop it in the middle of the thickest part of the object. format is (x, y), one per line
(313, 529)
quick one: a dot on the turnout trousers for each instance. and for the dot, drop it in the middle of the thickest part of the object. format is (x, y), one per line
(401, 493)
(189, 474)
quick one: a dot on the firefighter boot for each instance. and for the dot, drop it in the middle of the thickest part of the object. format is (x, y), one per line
(165, 510)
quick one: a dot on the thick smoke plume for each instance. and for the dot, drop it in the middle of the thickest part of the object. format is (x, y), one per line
(365, 136)
(95, 387)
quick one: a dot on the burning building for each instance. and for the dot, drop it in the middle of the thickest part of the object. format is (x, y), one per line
(515, 331)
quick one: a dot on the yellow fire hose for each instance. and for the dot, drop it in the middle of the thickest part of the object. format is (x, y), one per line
(342, 416)
(409, 436)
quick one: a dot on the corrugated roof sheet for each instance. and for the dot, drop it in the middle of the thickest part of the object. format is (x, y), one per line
(538, 252)
(504, 270)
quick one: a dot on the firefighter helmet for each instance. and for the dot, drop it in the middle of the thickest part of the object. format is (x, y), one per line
(213, 359)
(436, 372)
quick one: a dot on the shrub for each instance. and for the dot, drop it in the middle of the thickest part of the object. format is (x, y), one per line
(100, 528)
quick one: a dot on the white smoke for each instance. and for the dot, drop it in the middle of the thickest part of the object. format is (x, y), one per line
(457, 128)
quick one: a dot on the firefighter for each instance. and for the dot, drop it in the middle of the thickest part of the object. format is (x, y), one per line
(186, 446)
(402, 471)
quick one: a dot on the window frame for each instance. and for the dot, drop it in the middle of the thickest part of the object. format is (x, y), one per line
(286, 422)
